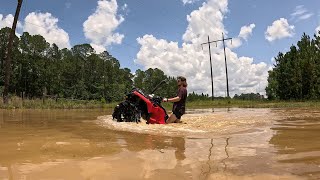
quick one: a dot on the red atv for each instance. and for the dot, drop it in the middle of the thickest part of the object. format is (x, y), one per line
(137, 105)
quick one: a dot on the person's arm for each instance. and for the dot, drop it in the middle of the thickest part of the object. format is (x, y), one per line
(175, 99)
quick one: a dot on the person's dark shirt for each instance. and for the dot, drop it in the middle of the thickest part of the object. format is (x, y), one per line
(182, 93)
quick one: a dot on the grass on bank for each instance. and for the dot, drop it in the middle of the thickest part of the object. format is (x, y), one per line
(232, 103)
(18, 103)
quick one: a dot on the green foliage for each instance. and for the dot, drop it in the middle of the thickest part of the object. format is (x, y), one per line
(4, 36)
(149, 79)
(195, 97)
(41, 70)
(249, 96)
(59, 103)
(235, 103)
(296, 73)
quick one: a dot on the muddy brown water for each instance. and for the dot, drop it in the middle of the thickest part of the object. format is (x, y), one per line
(208, 144)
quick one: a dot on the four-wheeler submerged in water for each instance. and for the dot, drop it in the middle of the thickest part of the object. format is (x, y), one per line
(137, 105)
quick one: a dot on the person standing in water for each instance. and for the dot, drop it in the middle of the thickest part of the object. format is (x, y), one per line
(179, 102)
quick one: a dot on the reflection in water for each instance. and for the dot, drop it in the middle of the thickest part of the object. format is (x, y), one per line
(204, 174)
(227, 154)
(207, 169)
(179, 144)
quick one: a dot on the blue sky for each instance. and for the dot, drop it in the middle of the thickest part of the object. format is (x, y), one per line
(157, 34)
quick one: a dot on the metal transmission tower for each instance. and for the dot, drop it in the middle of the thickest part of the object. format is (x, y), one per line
(8, 55)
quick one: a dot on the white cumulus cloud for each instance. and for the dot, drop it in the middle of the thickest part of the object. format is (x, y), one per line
(8, 21)
(244, 34)
(207, 20)
(100, 26)
(279, 29)
(246, 31)
(46, 25)
(189, 60)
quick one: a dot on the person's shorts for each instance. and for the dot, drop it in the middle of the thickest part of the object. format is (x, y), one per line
(178, 113)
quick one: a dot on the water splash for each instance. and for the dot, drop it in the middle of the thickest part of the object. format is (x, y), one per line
(198, 122)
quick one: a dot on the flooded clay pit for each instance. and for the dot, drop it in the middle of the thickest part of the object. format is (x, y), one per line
(209, 144)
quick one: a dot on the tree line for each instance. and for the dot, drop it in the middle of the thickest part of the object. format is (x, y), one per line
(40, 68)
(296, 73)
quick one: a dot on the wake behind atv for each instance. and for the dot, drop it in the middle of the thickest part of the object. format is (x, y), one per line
(137, 105)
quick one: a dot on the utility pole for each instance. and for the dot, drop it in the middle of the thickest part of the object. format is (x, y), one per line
(212, 97)
(9, 52)
(225, 61)
(225, 57)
